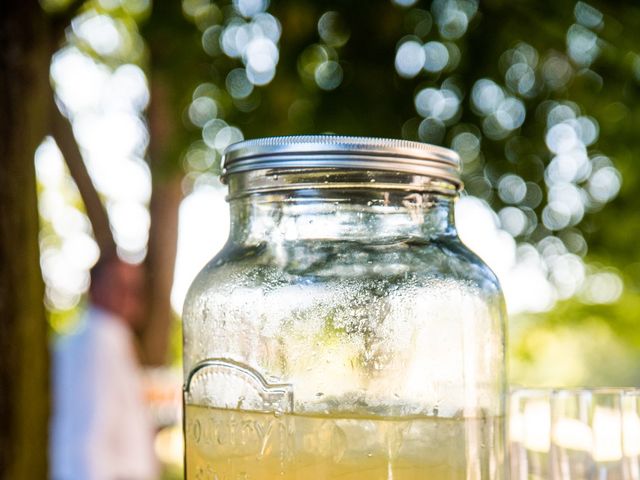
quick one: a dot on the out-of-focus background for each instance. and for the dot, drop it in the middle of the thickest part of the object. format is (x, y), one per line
(541, 99)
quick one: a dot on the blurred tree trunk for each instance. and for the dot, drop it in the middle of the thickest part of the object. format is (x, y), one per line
(62, 133)
(168, 36)
(163, 232)
(166, 173)
(24, 377)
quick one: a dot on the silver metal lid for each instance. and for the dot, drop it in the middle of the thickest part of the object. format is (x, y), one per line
(342, 152)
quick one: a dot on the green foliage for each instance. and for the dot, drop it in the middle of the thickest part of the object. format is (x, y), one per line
(552, 62)
(498, 76)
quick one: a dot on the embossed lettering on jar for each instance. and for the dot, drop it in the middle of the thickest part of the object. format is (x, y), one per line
(344, 331)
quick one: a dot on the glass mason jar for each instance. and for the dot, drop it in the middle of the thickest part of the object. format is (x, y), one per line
(344, 331)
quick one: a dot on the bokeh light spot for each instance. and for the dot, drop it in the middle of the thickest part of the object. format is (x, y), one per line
(199, 157)
(130, 221)
(604, 184)
(486, 96)
(511, 113)
(582, 45)
(521, 79)
(405, 3)
(534, 195)
(556, 216)
(440, 104)
(99, 31)
(268, 26)
(261, 57)
(328, 75)
(225, 137)
(562, 138)
(333, 29)
(201, 110)
(211, 40)
(602, 288)
(556, 72)
(512, 189)
(513, 220)
(571, 196)
(127, 88)
(431, 130)
(587, 15)
(467, 145)
(250, 8)
(452, 22)
(210, 131)
(410, 59)
(560, 113)
(238, 84)
(436, 57)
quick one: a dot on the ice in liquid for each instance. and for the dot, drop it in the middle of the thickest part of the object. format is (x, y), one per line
(239, 445)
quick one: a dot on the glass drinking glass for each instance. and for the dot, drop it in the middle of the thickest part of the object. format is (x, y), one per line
(631, 433)
(529, 433)
(574, 434)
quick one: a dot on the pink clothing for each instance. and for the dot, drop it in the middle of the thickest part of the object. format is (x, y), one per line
(100, 427)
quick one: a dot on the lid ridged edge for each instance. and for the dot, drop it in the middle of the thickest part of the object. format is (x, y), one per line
(291, 152)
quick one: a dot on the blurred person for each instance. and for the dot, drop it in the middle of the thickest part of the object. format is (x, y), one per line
(100, 427)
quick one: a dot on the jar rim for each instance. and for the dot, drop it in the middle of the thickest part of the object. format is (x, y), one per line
(342, 152)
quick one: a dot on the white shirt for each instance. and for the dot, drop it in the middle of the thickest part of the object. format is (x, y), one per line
(100, 428)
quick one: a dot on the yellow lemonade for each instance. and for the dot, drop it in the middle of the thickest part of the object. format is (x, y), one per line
(240, 445)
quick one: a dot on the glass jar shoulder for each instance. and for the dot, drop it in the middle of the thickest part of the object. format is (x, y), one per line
(460, 262)
(267, 267)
